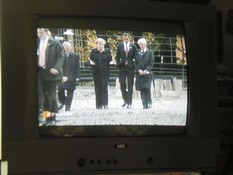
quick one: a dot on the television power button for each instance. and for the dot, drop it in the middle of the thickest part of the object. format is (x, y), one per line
(150, 160)
(81, 162)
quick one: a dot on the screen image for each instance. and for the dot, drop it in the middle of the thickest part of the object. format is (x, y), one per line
(95, 103)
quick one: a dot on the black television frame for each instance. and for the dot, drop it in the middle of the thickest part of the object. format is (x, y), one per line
(24, 149)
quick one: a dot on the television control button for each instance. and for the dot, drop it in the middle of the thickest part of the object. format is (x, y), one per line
(81, 162)
(108, 161)
(115, 161)
(92, 162)
(150, 160)
(98, 161)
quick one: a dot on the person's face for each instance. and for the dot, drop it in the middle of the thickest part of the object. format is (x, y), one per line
(100, 46)
(126, 39)
(67, 48)
(142, 45)
(42, 34)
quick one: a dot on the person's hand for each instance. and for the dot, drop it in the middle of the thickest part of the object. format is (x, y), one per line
(146, 72)
(54, 71)
(141, 72)
(92, 62)
(77, 79)
(64, 79)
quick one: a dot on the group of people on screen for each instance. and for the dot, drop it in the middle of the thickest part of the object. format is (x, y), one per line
(59, 70)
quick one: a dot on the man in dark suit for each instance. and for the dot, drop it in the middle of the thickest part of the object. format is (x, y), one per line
(50, 61)
(71, 69)
(143, 68)
(125, 55)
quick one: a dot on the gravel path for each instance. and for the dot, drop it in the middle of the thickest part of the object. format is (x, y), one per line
(168, 111)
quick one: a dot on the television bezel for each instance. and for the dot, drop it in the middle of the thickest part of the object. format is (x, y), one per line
(24, 149)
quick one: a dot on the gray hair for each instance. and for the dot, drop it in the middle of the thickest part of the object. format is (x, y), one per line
(67, 43)
(100, 40)
(142, 40)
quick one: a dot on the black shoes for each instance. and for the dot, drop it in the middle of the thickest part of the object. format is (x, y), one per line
(98, 107)
(102, 107)
(123, 105)
(67, 108)
(147, 106)
(60, 106)
(128, 106)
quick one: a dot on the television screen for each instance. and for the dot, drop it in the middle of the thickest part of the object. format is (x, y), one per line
(166, 122)
(84, 110)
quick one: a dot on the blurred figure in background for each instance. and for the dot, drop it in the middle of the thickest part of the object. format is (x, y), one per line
(71, 69)
(100, 59)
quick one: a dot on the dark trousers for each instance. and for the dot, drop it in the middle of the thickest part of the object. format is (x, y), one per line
(47, 95)
(146, 97)
(126, 79)
(65, 97)
(101, 90)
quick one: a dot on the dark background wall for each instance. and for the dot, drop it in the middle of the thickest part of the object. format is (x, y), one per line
(227, 50)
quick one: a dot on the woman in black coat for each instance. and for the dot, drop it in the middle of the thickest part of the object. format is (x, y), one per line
(100, 58)
(143, 68)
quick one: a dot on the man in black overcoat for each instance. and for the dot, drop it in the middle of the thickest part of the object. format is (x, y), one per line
(72, 75)
(143, 68)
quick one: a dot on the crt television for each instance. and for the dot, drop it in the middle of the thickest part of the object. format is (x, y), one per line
(126, 146)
